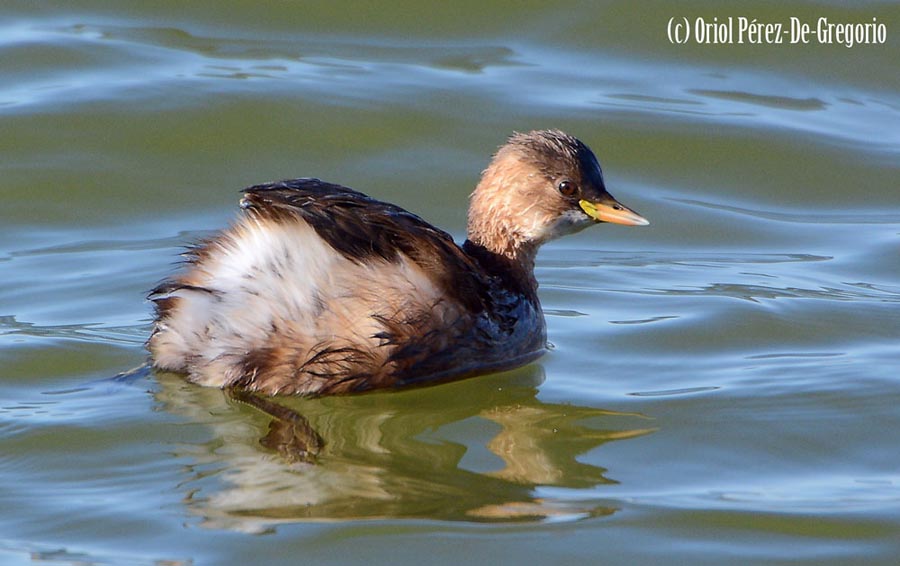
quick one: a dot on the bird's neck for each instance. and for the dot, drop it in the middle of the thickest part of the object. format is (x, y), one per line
(498, 237)
(515, 268)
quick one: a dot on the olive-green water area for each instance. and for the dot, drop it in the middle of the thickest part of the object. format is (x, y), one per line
(722, 386)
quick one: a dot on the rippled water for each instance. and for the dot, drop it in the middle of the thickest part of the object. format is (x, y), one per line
(723, 386)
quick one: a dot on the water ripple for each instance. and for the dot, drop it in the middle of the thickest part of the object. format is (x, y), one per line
(771, 101)
(169, 56)
(124, 60)
(570, 258)
(131, 335)
(671, 392)
(754, 293)
(815, 217)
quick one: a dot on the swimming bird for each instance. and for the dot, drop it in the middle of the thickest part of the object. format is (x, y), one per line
(318, 289)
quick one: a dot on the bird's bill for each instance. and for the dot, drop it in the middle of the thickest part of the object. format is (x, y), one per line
(612, 211)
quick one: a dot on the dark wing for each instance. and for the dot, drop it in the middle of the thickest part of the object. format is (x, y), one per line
(362, 228)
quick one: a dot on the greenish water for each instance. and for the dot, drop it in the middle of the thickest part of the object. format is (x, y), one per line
(723, 387)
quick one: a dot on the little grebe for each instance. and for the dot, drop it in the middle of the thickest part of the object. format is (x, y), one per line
(318, 289)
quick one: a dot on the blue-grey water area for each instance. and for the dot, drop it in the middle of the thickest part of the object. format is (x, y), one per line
(723, 384)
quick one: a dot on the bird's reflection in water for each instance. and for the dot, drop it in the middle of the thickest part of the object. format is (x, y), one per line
(476, 450)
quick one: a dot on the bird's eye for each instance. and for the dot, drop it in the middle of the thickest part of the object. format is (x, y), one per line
(567, 188)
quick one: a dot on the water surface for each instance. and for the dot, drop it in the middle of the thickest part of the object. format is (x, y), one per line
(722, 386)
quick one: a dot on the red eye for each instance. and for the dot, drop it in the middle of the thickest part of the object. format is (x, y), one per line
(567, 188)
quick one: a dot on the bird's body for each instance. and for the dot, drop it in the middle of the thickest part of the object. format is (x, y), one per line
(319, 289)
